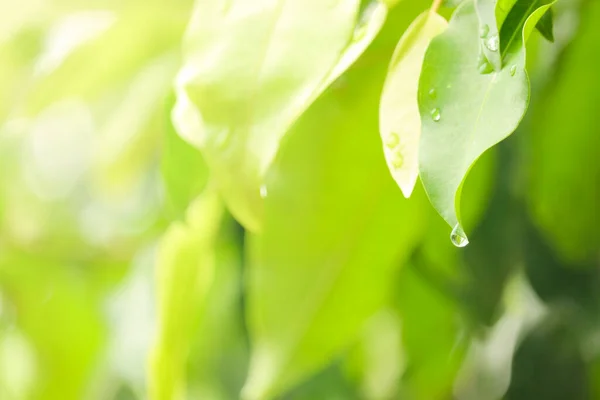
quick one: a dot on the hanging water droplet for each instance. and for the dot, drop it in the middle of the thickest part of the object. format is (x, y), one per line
(458, 237)
(263, 191)
(436, 115)
(397, 160)
(392, 140)
(513, 70)
(484, 30)
(492, 43)
(432, 93)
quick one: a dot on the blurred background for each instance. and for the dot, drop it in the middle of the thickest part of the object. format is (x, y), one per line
(87, 191)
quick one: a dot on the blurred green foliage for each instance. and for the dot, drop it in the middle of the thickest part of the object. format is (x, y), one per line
(123, 274)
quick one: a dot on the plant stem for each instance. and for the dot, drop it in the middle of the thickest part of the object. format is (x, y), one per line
(435, 6)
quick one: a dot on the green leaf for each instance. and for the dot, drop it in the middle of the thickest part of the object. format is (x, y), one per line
(564, 196)
(251, 70)
(184, 275)
(183, 169)
(546, 25)
(336, 228)
(503, 7)
(399, 119)
(471, 111)
(519, 23)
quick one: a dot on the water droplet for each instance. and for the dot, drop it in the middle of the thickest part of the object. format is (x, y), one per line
(513, 70)
(484, 66)
(432, 93)
(492, 43)
(263, 191)
(484, 30)
(458, 237)
(359, 32)
(392, 140)
(435, 114)
(397, 160)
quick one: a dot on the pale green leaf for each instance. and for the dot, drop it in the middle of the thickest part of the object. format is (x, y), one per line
(399, 119)
(183, 169)
(184, 275)
(251, 68)
(471, 112)
(336, 229)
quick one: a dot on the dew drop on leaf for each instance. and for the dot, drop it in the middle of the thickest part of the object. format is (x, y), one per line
(492, 43)
(513, 70)
(484, 66)
(484, 30)
(432, 93)
(397, 160)
(435, 114)
(392, 140)
(458, 236)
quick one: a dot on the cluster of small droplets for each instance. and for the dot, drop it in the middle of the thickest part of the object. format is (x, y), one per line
(435, 113)
(392, 142)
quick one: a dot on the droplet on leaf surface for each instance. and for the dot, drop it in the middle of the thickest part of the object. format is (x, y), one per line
(492, 43)
(513, 70)
(484, 30)
(392, 140)
(436, 115)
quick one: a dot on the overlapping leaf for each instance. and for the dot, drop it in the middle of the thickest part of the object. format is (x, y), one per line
(251, 69)
(399, 119)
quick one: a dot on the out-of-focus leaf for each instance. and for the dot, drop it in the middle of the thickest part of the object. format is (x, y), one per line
(546, 25)
(129, 136)
(58, 312)
(183, 169)
(471, 111)
(433, 337)
(251, 69)
(110, 59)
(549, 365)
(486, 371)
(331, 209)
(184, 274)
(219, 354)
(564, 196)
(399, 119)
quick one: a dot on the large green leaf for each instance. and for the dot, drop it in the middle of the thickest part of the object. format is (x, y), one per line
(336, 228)
(251, 69)
(184, 275)
(564, 196)
(470, 113)
(399, 119)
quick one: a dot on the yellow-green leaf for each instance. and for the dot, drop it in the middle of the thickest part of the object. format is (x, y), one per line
(399, 119)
